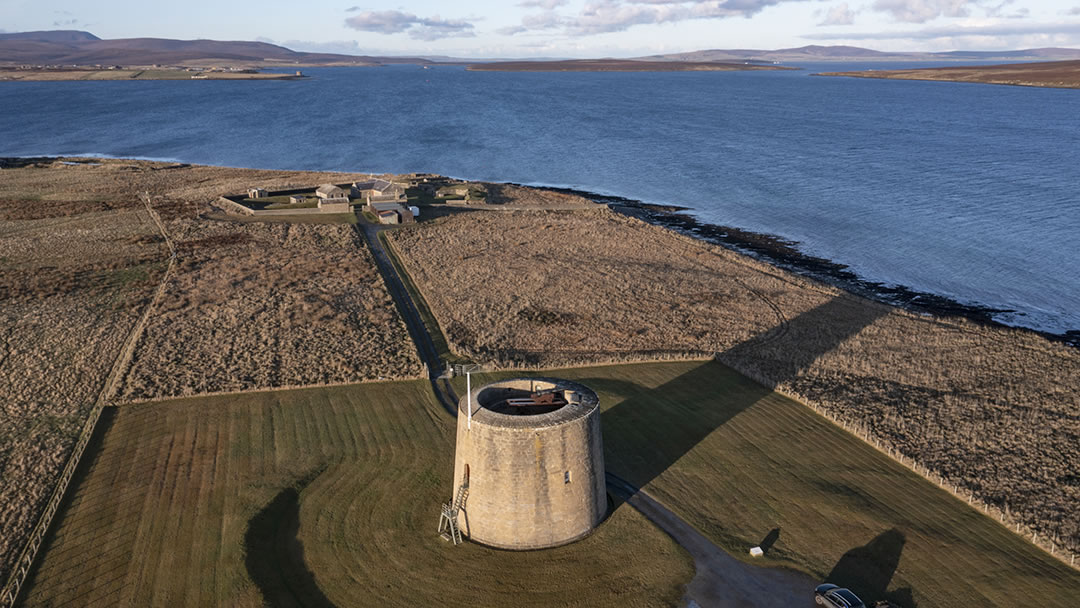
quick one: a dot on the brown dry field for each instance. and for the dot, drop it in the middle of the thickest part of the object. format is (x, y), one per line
(72, 285)
(1055, 74)
(257, 305)
(80, 259)
(994, 410)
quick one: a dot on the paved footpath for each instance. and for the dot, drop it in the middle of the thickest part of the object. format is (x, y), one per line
(720, 580)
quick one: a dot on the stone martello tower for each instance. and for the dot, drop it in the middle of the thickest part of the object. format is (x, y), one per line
(532, 458)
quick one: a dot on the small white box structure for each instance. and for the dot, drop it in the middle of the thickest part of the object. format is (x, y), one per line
(415, 211)
(756, 551)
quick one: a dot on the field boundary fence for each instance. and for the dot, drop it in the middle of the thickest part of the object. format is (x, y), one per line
(21, 568)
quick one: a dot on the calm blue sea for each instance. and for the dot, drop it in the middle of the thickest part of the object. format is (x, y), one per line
(967, 191)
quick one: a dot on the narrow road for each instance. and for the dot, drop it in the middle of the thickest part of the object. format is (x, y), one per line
(720, 580)
(425, 347)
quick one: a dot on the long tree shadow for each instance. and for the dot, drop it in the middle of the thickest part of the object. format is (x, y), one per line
(643, 439)
(868, 570)
(275, 555)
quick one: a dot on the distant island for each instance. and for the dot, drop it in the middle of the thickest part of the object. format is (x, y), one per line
(618, 65)
(819, 53)
(59, 50)
(117, 72)
(1054, 74)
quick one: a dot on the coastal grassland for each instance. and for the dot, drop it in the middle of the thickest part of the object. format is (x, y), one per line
(438, 340)
(1054, 74)
(79, 260)
(312, 497)
(75, 274)
(743, 463)
(994, 411)
(255, 305)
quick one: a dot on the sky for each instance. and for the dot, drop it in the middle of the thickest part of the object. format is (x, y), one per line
(568, 28)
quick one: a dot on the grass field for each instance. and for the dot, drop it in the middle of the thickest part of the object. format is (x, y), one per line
(739, 461)
(992, 410)
(331, 495)
(312, 497)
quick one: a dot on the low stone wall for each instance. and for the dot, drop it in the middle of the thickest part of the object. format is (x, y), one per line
(232, 206)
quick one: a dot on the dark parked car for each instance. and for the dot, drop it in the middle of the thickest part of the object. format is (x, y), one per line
(832, 596)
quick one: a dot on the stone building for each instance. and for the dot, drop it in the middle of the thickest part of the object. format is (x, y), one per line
(330, 191)
(531, 454)
(378, 190)
(402, 214)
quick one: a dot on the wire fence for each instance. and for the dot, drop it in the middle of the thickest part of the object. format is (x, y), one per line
(21, 569)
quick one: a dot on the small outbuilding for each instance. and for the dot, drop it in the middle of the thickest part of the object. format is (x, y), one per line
(297, 199)
(257, 193)
(330, 191)
(403, 214)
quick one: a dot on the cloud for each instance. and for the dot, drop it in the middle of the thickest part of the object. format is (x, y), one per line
(603, 16)
(841, 14)
(921, 11)
(419, 28)
(1074, 10)
(544, 4)
(959, 31)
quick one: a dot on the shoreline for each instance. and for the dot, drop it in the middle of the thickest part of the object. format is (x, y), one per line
(1045, 74)
(128, 74)
(620, 65)
(768, 248)
(785, 254)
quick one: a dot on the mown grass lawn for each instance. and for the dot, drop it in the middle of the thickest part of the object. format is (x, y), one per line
(312, 497)
(331, 496)
(739, 462)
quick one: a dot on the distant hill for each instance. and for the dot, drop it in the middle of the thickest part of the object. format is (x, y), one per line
(854, 53)
(82, 48)
(51, 36)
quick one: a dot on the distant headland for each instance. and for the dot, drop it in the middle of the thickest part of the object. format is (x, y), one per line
(1053, 74)
(619, 65)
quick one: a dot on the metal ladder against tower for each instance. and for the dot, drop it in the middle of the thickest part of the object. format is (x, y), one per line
(448, 524)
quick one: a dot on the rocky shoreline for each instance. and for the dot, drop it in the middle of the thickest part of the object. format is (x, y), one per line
(785, 254)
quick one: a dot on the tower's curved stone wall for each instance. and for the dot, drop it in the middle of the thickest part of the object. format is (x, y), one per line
(536, 473)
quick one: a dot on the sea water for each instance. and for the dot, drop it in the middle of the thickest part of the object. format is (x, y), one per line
(962, 190)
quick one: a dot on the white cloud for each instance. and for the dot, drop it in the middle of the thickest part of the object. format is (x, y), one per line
(840, 14)
(419, 28)
(989, 30)
(921, 11)
(1074, 10)
(544, 4)
(603, 16)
